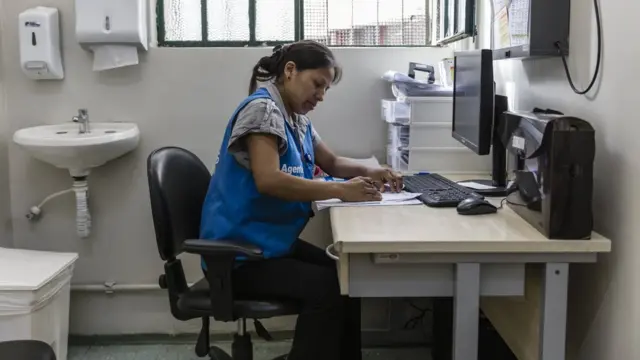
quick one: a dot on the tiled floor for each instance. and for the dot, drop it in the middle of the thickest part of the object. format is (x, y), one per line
(263, 351)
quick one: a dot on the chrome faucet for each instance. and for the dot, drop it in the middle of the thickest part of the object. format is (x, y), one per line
(83, 120)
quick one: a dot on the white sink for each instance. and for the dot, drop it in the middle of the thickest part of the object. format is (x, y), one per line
(63, 145)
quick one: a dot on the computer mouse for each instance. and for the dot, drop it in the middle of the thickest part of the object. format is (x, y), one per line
(476, 206)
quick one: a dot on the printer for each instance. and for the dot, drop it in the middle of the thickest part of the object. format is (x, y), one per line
(552, 157)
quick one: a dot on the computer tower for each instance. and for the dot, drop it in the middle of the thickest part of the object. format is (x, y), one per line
(530, 28)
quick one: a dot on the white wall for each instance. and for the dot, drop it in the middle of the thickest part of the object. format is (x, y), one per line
(604, 300)
(5, 204)
(178, 97)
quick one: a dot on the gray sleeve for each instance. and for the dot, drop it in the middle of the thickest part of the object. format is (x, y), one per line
(305, 121)
(315, 137)
(259, 116)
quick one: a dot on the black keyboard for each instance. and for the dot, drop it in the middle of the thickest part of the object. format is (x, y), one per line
(438, 191)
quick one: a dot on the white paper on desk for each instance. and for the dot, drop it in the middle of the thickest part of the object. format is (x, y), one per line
(401, 196)
(475, 185)
(388, 199)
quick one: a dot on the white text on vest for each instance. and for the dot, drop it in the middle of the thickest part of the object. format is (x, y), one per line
(292, 170)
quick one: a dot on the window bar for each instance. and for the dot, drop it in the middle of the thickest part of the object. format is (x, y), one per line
(252, 21)
(326, 21)
(204, 21)
(296, 19)
(376, 31)
(402, 34)
(299, 20)
(445, 12)
(427, 23)
(160, 22)
(456, 25)
(352, 33)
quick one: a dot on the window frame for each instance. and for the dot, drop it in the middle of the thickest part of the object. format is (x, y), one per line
(468, 28)
(252, 42)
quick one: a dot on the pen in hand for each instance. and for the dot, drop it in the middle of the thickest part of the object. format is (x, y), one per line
(359, 189)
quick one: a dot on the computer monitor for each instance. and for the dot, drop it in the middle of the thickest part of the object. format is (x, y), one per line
(477, 114)
(473, 100)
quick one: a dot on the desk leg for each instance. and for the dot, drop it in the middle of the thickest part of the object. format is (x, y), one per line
(466, 312)
(553, 312)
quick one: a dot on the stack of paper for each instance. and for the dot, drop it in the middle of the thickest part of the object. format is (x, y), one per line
(388, 199)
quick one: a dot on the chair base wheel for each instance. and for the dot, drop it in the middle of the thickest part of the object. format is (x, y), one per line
(242, 348)
(218, 354)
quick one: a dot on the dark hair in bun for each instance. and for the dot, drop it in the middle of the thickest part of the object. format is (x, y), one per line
(306, 54)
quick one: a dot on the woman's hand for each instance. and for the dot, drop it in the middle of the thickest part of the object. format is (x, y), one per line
(383, 176)
(359, 189)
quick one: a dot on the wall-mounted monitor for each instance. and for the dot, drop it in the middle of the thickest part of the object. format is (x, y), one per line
(530, 28)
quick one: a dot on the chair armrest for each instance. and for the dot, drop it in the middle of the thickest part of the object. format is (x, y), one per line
(219, 256)
(223, 248)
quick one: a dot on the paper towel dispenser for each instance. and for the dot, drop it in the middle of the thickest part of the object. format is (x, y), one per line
(114, 30)
(114, 22)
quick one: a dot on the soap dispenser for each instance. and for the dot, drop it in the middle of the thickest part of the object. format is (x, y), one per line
(39, 35)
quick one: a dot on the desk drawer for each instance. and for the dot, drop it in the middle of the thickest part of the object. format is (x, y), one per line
(367, 279)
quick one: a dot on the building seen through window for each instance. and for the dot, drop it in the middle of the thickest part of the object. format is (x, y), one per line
(260, 22)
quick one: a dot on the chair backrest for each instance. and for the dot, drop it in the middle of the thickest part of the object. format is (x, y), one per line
(178, 184)
(26, 350)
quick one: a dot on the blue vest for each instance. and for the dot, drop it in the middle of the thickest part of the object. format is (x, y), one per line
(235, 210)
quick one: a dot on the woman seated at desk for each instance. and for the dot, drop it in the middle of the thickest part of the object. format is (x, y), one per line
(262, 189)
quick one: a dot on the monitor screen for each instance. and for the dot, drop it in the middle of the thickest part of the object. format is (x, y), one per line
(473, 97)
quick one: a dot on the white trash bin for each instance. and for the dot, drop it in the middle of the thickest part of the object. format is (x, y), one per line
(35, 290)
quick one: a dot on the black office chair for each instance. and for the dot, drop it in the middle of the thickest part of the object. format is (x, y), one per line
(26, 350)
(178, 183)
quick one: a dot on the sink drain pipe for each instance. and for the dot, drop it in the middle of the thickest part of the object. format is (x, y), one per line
(83, 217)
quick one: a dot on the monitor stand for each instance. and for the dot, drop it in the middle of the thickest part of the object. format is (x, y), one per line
(497, 186)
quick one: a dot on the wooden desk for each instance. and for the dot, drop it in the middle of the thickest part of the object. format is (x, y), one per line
(418, 251)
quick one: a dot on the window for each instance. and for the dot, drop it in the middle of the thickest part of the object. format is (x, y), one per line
(269, 22)
(452, 20)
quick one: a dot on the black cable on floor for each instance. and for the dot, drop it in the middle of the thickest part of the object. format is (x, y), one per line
(417, 320)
